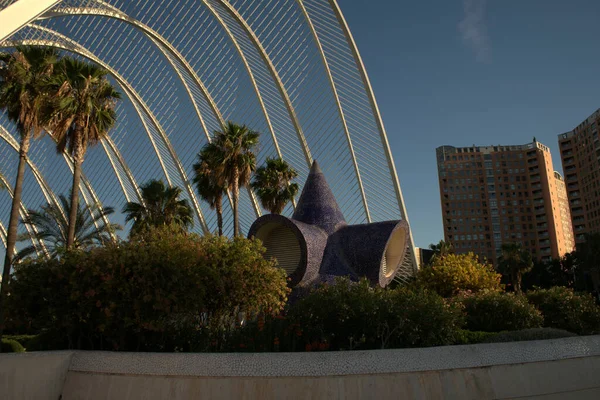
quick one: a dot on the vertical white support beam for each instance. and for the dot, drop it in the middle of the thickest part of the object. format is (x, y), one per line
(20, 13)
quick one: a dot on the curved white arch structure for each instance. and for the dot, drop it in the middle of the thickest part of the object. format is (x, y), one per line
(287, 68)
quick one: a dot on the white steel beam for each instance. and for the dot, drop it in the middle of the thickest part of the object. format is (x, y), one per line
(20, 13)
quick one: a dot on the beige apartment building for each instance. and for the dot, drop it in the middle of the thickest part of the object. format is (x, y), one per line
(580, 156)
(492, 195)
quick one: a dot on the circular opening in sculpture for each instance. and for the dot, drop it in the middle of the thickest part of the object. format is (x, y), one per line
(281, 244)
(394, 253)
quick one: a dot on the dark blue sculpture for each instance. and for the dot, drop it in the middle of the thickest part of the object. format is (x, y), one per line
(317, 244)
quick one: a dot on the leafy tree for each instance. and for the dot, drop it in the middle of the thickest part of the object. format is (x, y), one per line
(557, 272)
(23, 74)
(80, 115)
(161, 205)
(52, 226)
(588, 258)
(236, 161)
(209, 184)
(563, 308)
(442, 249)
(272, 184)
(513, 263)
(497, 311)
(147, 293)
(455, 273)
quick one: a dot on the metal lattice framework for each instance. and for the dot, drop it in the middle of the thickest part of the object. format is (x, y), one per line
(287, 68)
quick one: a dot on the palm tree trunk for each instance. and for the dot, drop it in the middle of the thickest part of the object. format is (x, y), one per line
(219, 209)
(236, 195)
(74, 201)
(13, 225)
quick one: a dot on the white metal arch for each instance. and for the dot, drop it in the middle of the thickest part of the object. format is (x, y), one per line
(74, 47)
(40, 246)
(378, 119)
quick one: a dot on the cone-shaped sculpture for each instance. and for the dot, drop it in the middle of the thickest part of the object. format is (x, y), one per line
(317, 205)
(317, 245)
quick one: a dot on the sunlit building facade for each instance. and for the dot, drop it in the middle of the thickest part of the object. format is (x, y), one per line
(492, 195)
(580, 155)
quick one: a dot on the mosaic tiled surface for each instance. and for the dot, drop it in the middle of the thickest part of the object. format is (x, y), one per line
(329, 246)
(335, 363)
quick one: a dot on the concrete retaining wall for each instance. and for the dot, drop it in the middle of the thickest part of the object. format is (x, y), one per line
(553, 369)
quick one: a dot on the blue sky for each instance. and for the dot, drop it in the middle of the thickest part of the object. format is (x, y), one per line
(463, 72)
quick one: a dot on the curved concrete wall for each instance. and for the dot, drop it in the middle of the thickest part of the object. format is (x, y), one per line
(554, 369)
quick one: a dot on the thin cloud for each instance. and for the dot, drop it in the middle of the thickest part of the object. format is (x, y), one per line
(474, 30)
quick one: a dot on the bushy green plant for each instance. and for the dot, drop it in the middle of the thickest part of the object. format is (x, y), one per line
(562, 308)
(455, 273)
(11, 346)
(139, 294)
(469, 337)
(496, 312)
(347, 315)
(528, 334)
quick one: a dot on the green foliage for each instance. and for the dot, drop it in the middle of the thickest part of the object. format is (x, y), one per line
(210, 183)
(496, 312)
(272, 184)
(472, 337)
(161, 206)
(347, 315)
(442, 249)
(138, 295)
(11, 346)
(513, 262)
(562, 308)
(455, 273)
(232, 154)
(557, 272)
(528, 334)
(50, 225)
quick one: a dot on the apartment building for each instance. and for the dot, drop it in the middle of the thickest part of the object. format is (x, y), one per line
(492, 195)
(580, 156)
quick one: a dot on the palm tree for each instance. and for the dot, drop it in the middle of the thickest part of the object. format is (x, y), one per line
(209, 184)
(513, 263)
(442, 249)
(272, 185)
(161, 206)
(236, 161)
(22, 94)
(51, 227)
(79, 116)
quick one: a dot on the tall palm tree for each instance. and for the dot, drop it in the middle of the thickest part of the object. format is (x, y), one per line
(23, 74)
(236, 161)
(513, 262)
(272, 184)
(161, 206)
(79, 116)
(51, 227)
(209, 184)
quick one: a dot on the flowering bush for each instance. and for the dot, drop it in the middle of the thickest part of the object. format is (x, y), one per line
(496, 312)
(564, 309)
(141, 293)
(454, 273)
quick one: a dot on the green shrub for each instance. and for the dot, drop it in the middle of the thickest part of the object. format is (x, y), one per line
(564, 309)
(11, 346)
(140, 294)
(347, 315)
(496, 312)
(27, 341)
(455, 273)
(469, 337)
(529, 334)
